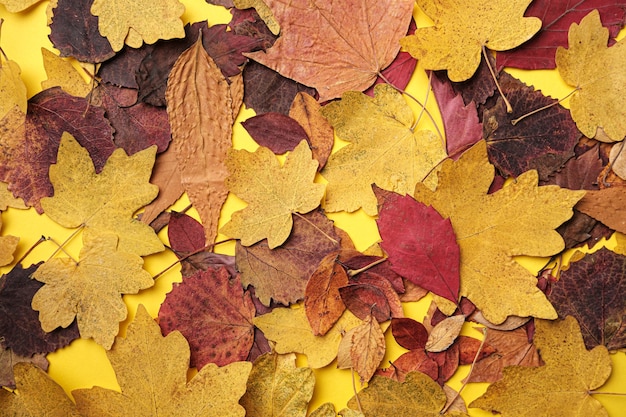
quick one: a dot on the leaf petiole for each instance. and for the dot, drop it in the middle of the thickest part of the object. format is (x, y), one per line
(509, 109)
(60, 247)
(522, 117)
(189, 255)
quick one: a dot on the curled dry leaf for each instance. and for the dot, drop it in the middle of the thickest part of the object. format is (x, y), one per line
(201, 105)
(444, 334)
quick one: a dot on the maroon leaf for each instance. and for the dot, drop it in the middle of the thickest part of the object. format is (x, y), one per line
(120, 70)
(461, 125)
(594, 291)
(409, 334)
(421, 245)
(556, 17)
(219, 331)
(282, 273)
(413, 360)
(260, 346)
(138, 126)
(247, 22)
(185, 233)
(354, 260)
(276, 131)
(266, 91)
(448, 362)
(74, 32)
(365, 299)
(542, 141)
(20, 329)
(50, 113)
(478, 88)
(468, 348)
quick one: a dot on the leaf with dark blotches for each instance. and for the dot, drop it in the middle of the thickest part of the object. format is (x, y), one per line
(606, 206)
(322, 301)
(460, 121)
(556, 17)
(543, 141)
(8, 358)
(268, 91)
(20, 329)
(282, 273)
(413, 360)
(74, 32)
(409, 333)
(219, 331)
(276, 131)
(421, 245)
(594, 291)
(136, 127)
(35, 146)
(511, 348)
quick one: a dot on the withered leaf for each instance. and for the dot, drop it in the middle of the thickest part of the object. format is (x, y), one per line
(104, 202)
(220, 331)
(594, 291)
(563, 383)
(152, 373)
(282, 273)
(12, 87)
(8, 244)
(276, 131)
(277, 388)
(20, 329)
(62, 74)
(607, 206)
(413, 360)
(444, 334)
(409, 333)
(370, 293)
(336, 59)
(365, 347)
(74, 32)
(306, 111)
(8, 359)
(201, 111)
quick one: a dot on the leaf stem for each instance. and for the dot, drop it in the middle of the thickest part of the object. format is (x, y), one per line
(609, 166)
(41, 240)
(356, 394)
(522, 117)
(190, 255)
(458, 393)
(353, 272)
(317, 228)
(621, 394)
(509, 109)
(65, 242)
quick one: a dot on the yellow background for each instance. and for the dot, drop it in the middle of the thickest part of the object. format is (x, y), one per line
(84, 364)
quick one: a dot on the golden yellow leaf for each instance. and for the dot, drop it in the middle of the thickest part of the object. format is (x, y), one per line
(264, 12)
(277, 388)
(37, 395)
(463, 27)
(90, 290)
(202, 106)
(152, 373)
(290, 329)
(104, 202)
(8, 244)
(61, 73)
(597, 72)
(383, 150)
(491, 229)
(273, 193)
(418, 395)
(324, 410)
(15, 6)
(621, 244)
(12, 88)
(136, 21)
(563, 383)
(8, 200)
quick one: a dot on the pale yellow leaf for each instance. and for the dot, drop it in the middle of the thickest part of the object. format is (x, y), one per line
(12, 88)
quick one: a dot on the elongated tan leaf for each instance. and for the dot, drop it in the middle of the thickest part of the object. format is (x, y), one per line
(362, 348)
(200, 106)
(444, 334)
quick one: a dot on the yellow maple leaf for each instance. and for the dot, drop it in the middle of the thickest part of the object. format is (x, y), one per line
(8, 244)
(12, 88)
(106, 201)
(15, 6)
(36, 395)
(290, 329)
(273, 193)
(491, 229)
(276, 387)
(418, 395)
(136, 21)
(61, 73)
(563, 383)
(152, 373)
(463, 27)
(598, 74)
(8, 200)
(384, 150)
(91, 289)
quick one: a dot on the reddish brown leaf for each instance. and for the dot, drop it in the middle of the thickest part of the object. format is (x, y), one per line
(461, 125)
(74, 32)
(607, 206)
(594, 291)
(479, 88)
(306, 111)
(185, 233)
(355, 260)
(543, 141)
(282, 273)
(20, 329)
(219, 331)
(365, 299)
(447, 361)
(421, 245)
(248, 23)
(276, 131)
(322, 301)
(120, 70)
(413, 360)
(512, 348)
(35, 146)
(556, 17)
(409, 334)
(468, 347)
(268, 91)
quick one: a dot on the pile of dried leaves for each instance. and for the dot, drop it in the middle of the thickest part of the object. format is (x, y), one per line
(157, 121)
